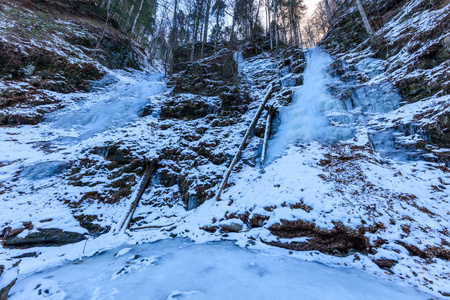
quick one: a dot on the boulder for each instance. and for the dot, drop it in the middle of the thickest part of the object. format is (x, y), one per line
(88, 222)
(44, 237)
(185, 107)
(385, 263)
(209, 76)
(232, 225)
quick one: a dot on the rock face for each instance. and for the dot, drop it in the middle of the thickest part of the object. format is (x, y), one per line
(50, 68)
(88, 222)
(187, 107)
(182, 55)
(232, 225)
(438, 131)
(406, 52)
(414, 60)
(340, 239)
(209, 76)
(30, 66)
(19, 119)
(44, 237)
(123, 168)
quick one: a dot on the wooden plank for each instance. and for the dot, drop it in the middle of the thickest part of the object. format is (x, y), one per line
(246, 136)
(144, 183)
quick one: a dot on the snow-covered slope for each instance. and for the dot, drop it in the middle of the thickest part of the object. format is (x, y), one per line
(357, 173)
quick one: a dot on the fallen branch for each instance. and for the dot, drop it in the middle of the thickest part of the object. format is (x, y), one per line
(247, 135)
(144, 183)
(104, 28)
(151, 227)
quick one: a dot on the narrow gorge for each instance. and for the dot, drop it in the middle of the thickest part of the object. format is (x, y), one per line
(117, 174)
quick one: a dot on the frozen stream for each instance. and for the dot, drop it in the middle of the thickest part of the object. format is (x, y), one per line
(180, 269)
(176, 268)
(116, 101)
(317, 114)
(110, 107)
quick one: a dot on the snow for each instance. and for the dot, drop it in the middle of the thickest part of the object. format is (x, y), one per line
(38, 194)
(65, 134)
(110, 109)
(123, 251)
(304, 120)
(316, 114)
(171, 269)
(337, 159)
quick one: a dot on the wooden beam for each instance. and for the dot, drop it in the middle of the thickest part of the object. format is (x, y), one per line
(144, 183)
(246, 136)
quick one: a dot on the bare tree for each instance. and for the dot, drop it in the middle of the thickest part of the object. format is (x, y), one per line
(108, 15)
(328, 11)
(369, 29)
(275, 20)
(270, 25)
(198, 11)
(219, 10)
(301, 37)
(205, 32)
(137, 16)
(173, 35)
(233, 24)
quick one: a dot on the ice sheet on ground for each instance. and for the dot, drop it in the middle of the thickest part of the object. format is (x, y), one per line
(176, 268)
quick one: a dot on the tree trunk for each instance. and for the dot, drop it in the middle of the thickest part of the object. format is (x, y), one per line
(108, 14)
(301, 38)
(144, 183)
(200, 26)
(270, 25)
(188, 23)
(266, 136)
(129, 15)
(197, 23)
(174, 36)
(310, 34)
(283, 29)
(275, 20)
(365, 20)
(328, 12)
(243, 143)
(205, 32)
(233, 25)
(296, 39)
(137, 17)
(267, 24)
(254, 22)
(217, 30)
(294, 25)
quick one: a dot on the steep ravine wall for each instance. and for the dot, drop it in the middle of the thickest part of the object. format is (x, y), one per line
(57, 46)
(413, 39)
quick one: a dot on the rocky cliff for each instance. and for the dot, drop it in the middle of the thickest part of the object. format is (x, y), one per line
(364, 184)
(56, 46)
(413, 40)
